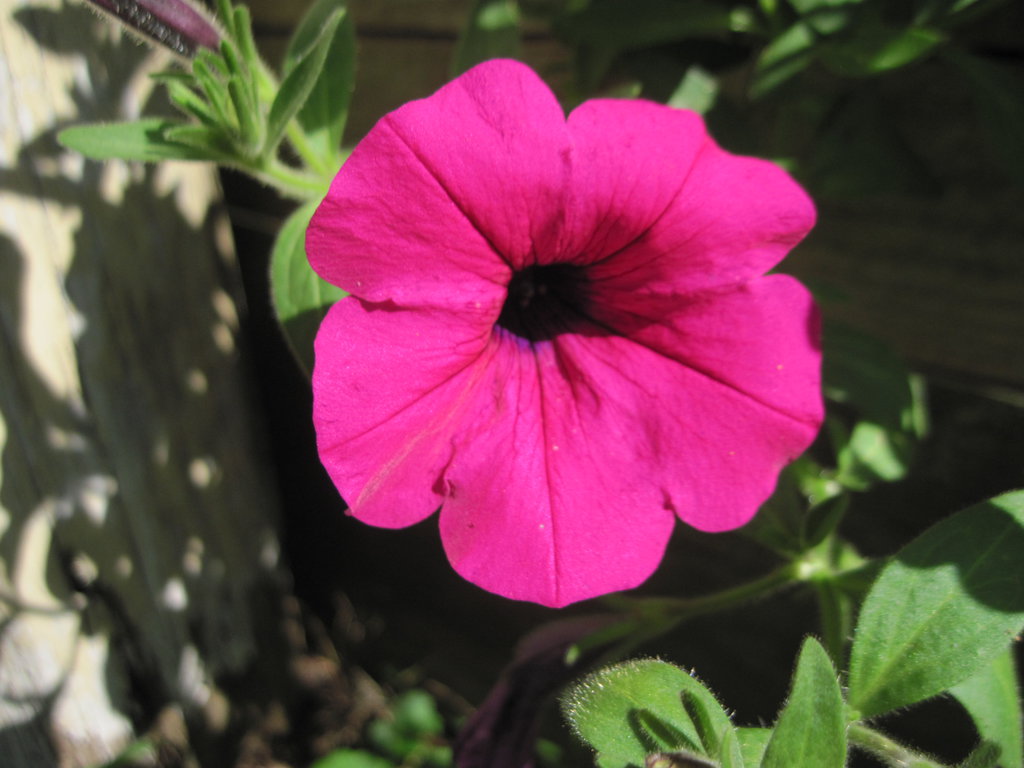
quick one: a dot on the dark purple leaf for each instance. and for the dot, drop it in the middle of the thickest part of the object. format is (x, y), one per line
(503, 731)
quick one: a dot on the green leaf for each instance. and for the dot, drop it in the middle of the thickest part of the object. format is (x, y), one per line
(872, 453)
(351, 758)
(416, 714)
(247, 52)
(143, 140)
(491, 32)
(866, 374)
(325, 112)
(877, 50)
(997, 92)
(826, 16)
(191, 103)
(226, 17)
(249, 123)
(985, 755)
(301, 298)
(603, 29)
(298, 84)
(942, 609)
(697, 91)
(992, 699)
(142, 752)
(753, 743)
(630, 710)
(208, 142)
(208, 74)
(811, 730)
(784, 57)
(731, 755)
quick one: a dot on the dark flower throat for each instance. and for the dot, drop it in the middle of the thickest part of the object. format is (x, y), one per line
(544, 301)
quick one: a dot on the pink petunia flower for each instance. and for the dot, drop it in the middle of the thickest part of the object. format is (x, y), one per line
(560, 332)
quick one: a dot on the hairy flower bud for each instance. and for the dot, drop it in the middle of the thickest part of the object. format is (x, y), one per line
(179, 25)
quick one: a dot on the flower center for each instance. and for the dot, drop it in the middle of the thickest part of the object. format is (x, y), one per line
(544, 301)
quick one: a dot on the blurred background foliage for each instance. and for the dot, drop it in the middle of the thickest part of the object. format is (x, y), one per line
(805, 82)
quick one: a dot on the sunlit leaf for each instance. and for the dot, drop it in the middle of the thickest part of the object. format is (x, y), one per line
(325, 112)
(628, 711)
(697, 91)
(811, 729)
(942, 609)
(143, 140)
(298, 84)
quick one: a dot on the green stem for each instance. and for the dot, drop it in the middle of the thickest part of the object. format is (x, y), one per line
(836, 613)
(654, 617)
(888, 751)
(687, 608)
(300, 142)
(290, 182)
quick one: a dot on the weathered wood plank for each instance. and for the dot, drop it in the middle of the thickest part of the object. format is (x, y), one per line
(137, 519)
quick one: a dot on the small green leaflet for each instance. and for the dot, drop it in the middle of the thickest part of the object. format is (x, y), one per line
(639, 708)
(142, 140)
(299, 82)
(325, 112)
(811, 730)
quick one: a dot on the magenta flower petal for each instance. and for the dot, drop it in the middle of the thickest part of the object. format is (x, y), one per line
(384, 435)
(485, 182)
(571, 513)
(560, 332)
(679, 213)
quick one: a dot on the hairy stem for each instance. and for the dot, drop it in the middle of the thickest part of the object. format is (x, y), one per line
(888, 751)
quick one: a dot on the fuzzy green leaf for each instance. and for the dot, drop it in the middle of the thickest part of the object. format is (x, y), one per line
(631, 710)
(300, 81)
(985, 755)
(301, 298)
(325, 112)
(993, 701)
(731, 755)
(811, 730)
(143, 140)
(753, 743)
(942, 609)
